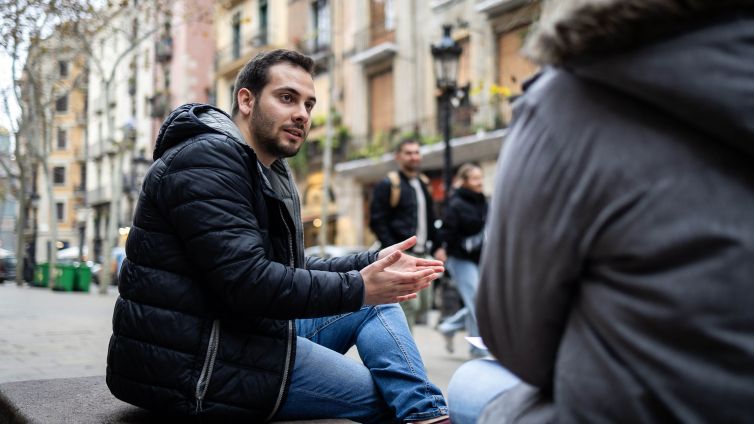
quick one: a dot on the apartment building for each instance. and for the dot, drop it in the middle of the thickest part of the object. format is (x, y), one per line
(154, 57)
(390, 92)
(119, 119)
(65, 82)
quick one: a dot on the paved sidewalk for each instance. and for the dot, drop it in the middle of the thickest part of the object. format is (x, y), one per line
(48, 334)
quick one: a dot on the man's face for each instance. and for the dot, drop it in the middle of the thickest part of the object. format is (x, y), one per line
(408, 157)
(280, 118)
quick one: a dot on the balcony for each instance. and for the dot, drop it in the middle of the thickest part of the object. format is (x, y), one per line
(160, 105)
(374, 44)
(231, 58)
(494, 7)
(163, 49)
(100, 148)
(97, 196)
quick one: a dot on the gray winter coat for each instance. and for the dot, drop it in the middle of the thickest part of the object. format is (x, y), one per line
(618, 278)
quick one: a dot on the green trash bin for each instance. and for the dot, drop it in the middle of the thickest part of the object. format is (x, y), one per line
(83, 278)
(64, 277)
(41, 275)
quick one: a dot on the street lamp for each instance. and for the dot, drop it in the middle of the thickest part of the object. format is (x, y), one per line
(446, 54)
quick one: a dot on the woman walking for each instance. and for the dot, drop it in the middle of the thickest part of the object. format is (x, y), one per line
(462, 236)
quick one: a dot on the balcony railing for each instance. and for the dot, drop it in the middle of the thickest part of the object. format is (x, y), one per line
(97, 196)
(374, 43)
(160, 103)
(229, 58)
(164, 49)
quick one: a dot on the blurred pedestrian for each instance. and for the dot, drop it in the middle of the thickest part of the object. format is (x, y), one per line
(221, 316)
(401, 207)
(616, 281)
(462, 236)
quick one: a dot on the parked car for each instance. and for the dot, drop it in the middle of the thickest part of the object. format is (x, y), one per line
(333, 251)
(7, 265)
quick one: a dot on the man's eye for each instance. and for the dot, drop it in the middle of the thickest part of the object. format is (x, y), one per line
(286, 98)
(309, 106)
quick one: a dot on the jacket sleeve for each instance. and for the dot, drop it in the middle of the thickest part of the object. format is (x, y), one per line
(530, 264)
(380, 214)
(208, 196)
(353, 262)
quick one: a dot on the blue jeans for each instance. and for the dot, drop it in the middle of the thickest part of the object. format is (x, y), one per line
(475, 384)
(465, 274)
(390, 385)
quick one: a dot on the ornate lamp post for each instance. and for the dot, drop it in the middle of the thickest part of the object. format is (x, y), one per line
(446, 54)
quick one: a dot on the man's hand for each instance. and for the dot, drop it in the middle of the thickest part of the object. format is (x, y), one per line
(397, 277)
(404, 245)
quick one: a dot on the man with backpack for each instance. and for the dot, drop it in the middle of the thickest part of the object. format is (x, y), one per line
(402, 207)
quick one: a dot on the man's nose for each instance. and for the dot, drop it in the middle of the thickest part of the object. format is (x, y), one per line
(301, 115)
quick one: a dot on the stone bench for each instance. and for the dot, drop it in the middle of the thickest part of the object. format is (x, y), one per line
(83, 400)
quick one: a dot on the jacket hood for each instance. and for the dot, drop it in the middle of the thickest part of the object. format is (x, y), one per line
(690, 58)
(192, 119)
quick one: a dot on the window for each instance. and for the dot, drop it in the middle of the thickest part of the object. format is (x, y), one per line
(321, 24)
(512, 68)
(263, 22)
(60, 211)
(58, 175)
(63, 68)
(62, 139)
(236, 35)
(381, 103)
(382, 21)
(61, 104)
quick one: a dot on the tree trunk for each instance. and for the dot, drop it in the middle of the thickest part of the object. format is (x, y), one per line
(112, 222)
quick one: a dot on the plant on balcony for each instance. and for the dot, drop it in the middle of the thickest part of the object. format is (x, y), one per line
(495, 97)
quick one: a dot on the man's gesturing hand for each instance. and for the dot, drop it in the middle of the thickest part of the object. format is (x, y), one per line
(397, 277)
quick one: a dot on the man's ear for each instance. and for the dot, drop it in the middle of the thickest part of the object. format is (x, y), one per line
(245, 101)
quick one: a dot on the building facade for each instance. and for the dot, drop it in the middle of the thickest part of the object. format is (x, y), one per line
(374, 78)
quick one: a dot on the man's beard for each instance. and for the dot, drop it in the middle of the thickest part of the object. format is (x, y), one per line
(263, 131)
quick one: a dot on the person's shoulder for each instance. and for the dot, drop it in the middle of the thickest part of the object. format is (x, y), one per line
(206, 150)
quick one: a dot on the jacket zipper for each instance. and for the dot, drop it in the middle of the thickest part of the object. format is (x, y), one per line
(290, 327)
(209, 364)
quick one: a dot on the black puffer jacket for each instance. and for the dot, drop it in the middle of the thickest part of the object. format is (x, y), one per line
(208, 289)
(464, 217)
(392, 225)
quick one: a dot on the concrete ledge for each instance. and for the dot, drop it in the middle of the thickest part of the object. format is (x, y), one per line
(84, 400)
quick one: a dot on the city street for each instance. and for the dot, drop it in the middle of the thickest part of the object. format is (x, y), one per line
(48, 334)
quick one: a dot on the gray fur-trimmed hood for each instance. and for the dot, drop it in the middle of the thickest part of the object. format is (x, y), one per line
(570, 29)
(692, 59)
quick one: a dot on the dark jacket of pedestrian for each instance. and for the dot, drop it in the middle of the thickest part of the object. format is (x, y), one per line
(618, 276)
(214, 259)
(394, 224)
(464, 218)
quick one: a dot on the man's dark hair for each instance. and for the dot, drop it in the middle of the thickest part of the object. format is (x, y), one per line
(404, 142)
(254, 76)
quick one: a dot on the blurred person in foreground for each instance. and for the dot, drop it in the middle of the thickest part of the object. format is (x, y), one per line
(401, 207)
(220, 315)
(617, 279)
(462, 237)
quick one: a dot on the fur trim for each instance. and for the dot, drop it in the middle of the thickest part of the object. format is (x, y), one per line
(574, 28)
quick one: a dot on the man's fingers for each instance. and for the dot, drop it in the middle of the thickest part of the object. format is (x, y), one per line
(388, 260)
(408, 243)
(428, 262)
(406, 297)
